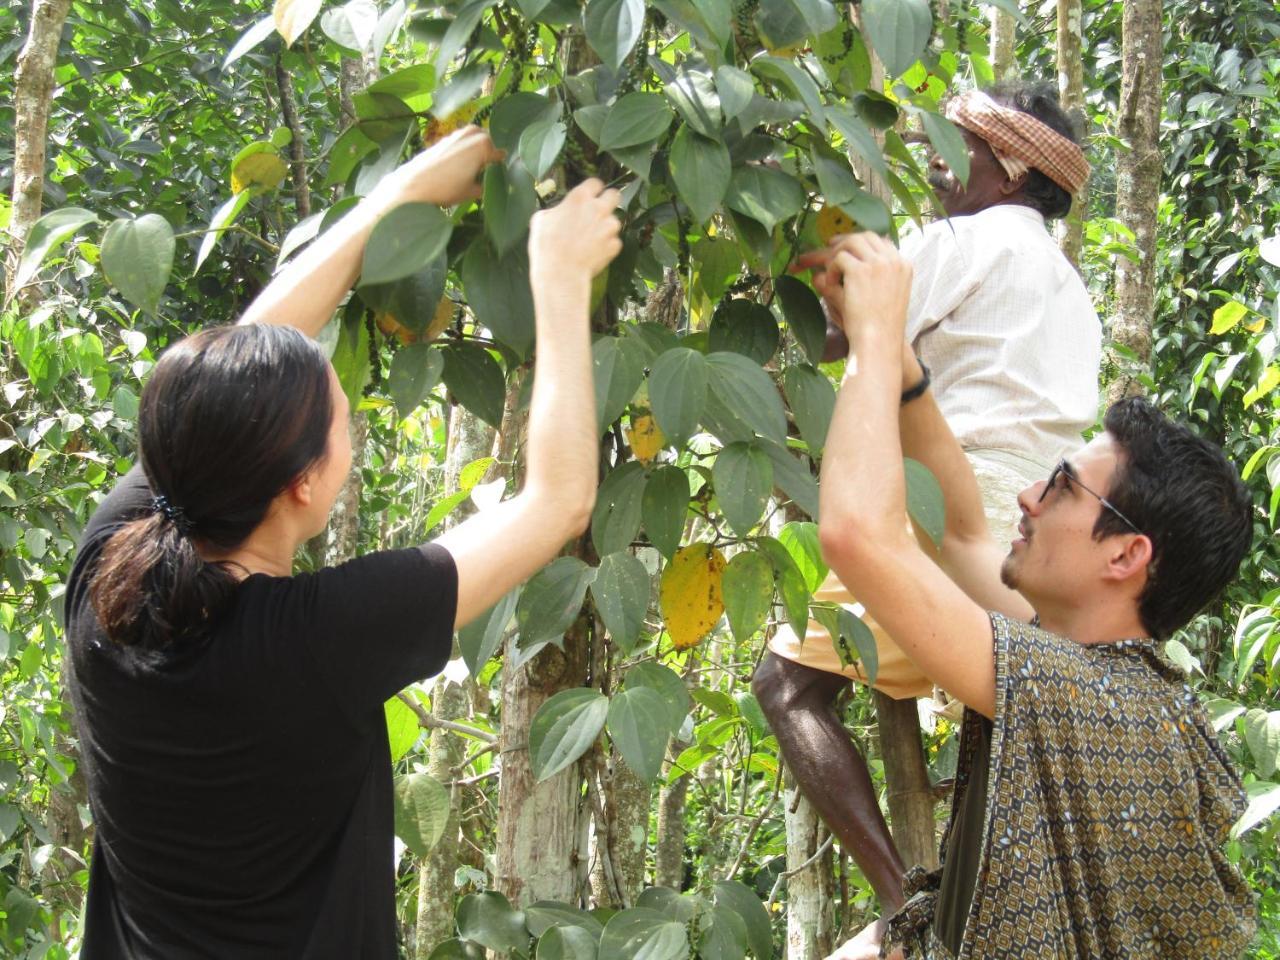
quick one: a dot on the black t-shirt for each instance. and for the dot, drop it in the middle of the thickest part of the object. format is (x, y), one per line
(241, 788)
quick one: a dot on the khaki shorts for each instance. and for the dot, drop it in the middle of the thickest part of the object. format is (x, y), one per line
(1001, 477)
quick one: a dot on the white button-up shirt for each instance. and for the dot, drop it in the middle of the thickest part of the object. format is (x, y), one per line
(1007, 328)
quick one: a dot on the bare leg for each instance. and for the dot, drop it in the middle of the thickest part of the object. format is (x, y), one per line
(799, 703)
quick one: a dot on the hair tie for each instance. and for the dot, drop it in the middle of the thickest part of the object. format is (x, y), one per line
(175, 515)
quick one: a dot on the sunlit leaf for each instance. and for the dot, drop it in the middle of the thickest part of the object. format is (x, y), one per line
(691, 600)
(292, 17)
(748, 593)
(137, 257)
(421, 811)
(564, 728)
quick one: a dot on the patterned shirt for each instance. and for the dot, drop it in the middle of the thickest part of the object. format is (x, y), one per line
(1109, 799)
(1007, 327)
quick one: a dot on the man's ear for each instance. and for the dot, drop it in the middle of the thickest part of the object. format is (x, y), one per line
(1009, 186)
(1131, 555)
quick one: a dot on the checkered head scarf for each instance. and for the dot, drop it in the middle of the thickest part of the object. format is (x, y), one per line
(1020, 141)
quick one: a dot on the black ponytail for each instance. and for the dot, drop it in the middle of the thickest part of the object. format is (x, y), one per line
(229, 419)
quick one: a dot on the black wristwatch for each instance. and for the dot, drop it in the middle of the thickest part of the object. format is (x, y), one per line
(921, 385)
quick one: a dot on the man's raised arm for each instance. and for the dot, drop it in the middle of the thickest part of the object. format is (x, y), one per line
(863, 489)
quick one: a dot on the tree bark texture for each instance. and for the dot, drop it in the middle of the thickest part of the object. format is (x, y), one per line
(1004, 34)
(33, 95)
(1071, 92)
(910, 792)
(668, 856)
(810, 885)
(298, 144)
(469, 439)
(1138, 172)
(436, 870)
(626, 835)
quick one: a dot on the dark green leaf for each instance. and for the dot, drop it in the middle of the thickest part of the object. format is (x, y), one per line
(899, 31)
(637, 727)
(794, 477)
(545, 914)
(464, 22)
(668, 685)
(858, 136)
(515, 113)
(498, 291)
(412, 85)
(678, 392)
(636, 119)
(835, 177)
(509, 202)
(421, 811)
(746, 327)
(784, 22)
(615, 522)
(415, 370)
(813, 401)
(613, 27)
(49, 231)
(456, 949)
(741, 386)
(664, 508)
(764, 194)
(739, 898)
(694, 94)
(748, 593)
(551, 600)
(700, 170)
(724, 938)
(137, 256)
(736, 89)
(480, 640)
(619, 371)
(924, 500)
(796, 83)
(463, 87)
(804, 315)
(743, 475)
(566, 943)
(489, 919)
(868, 211)
(540, 145)
(621, 593)
(404, 241)
(643, 934)
(564, 728)
(475, 380)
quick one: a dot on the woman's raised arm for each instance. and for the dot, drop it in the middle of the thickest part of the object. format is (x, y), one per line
(309, 289)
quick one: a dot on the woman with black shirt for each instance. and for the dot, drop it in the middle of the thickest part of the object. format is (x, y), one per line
(230, 713)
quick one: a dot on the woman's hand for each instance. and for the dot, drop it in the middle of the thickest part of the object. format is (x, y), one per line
(446, 174)
(579, 234)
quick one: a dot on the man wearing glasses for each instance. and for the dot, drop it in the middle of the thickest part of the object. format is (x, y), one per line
(1092, 797)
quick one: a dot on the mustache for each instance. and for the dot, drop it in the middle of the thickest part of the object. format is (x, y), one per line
(939, 180)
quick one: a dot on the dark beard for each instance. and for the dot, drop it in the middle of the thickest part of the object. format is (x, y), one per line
(1008, 573)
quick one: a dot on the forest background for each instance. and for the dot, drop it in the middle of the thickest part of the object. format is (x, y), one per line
(592, 775)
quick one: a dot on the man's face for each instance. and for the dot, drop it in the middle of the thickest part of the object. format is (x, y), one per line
(986, 178)
(1056, 561)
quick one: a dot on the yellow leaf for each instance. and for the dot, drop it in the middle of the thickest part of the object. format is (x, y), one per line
(439, 129)
(646, 438)
(292, 17)
(389, 325)
(1227, 316)
(443, 314)
(690, 597)
(832, 220)
(1269, 380)
(1257, 325)
(258, 172)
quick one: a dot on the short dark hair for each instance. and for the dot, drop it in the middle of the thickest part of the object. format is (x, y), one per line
(1040, 99)
(230, 417)
(1183, 493)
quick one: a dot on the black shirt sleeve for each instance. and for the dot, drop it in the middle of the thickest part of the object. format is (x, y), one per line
(380, 622)
(129, 499)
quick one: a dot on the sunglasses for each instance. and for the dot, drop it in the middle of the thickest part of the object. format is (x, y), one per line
(1068, 474)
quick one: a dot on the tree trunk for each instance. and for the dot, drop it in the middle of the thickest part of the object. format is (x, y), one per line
(437, 868)
(1004, 32)
(298, 144)
(910, 792)
(668, 857)
(469, 439)
(617, 881)
(1138, 172)
(810, 885)
(1070, 230)
(32, 97)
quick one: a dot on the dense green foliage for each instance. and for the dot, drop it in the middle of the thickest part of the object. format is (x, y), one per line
(730, 127)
